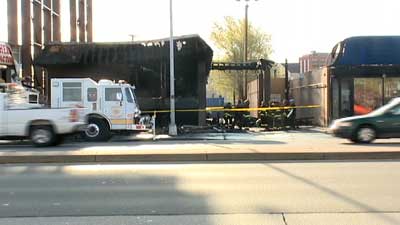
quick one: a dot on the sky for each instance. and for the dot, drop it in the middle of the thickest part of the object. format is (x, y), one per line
(297, 27)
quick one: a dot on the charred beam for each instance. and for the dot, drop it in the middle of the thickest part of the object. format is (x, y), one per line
(56, 21)
(26, 39)
(12, 13)
(72, 11)
(81, 21)
(89, 22)
(37, 40)
(47, 21)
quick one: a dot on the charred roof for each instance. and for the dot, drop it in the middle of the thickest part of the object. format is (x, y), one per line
(132, 53)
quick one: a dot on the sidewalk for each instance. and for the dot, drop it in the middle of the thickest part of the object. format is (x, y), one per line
(293, 145)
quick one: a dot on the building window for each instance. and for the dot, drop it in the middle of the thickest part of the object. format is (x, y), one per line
(72, 92)
(367, 95)
(113, 94)
(392, 88)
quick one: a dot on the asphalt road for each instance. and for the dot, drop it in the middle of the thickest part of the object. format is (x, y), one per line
(219, 193)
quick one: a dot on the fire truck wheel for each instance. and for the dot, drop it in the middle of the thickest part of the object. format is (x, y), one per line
(97, 130)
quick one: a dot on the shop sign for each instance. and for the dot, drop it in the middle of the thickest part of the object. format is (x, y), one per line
(6, 57)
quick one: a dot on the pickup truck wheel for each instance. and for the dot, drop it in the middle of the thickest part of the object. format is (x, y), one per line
(97, 130)
(43, 136)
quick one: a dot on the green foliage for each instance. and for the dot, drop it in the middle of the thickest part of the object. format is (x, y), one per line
(228, 37)
(278, 71)
(224, 83)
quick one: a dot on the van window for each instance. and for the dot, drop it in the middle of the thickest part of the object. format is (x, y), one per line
(92, 94)
(112, 93)
(72, 92)
(128, 95)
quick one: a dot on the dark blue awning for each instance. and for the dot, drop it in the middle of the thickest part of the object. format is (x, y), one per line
(369, 50)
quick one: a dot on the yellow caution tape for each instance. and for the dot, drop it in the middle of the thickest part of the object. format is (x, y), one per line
(222, 109)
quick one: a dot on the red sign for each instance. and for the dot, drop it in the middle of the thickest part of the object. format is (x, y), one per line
(6, 57)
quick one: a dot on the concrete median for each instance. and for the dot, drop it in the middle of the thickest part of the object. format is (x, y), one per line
(278, 146)
(194, 157)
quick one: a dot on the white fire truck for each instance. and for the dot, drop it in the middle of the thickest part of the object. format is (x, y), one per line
(110, 107)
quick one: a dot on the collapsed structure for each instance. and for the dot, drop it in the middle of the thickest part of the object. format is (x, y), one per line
(144, 64)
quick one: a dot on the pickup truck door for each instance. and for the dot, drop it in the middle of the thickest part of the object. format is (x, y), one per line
(10, 120)
(15, 122)
(113, 106)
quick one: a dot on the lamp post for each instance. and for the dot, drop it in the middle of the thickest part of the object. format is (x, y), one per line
(245, 46)
(132, 36)
(172, 126)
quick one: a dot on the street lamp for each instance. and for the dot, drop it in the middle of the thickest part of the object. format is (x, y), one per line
(172, 126)
(132, 36)
(246, 27)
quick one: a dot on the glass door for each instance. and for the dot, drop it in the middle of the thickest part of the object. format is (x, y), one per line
(346, 97)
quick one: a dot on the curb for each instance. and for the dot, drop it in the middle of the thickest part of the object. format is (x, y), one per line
(198, 157)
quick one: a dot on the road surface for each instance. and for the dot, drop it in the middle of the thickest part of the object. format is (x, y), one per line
(283, 193)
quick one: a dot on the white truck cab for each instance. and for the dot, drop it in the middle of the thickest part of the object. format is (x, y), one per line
(110, 106)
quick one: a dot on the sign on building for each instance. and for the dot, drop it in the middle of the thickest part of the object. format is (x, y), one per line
(6, 57)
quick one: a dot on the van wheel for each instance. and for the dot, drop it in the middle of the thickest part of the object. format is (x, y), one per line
(365, 135)
(97, 130)
(43, 136)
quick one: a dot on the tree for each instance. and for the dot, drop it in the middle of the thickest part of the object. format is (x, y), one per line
(228, 37)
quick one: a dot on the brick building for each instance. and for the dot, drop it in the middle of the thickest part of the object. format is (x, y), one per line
(313, 61)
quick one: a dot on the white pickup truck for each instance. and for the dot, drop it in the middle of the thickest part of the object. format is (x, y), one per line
(44, 127)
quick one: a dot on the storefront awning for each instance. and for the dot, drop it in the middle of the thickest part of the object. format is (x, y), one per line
(367, 51)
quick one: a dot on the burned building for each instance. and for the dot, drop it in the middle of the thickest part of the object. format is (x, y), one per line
(144, 64)
(36, 24)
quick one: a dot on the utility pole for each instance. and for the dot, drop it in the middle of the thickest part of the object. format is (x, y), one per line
(132, 37)
(246, 37)
(245, 47)
(172, 126)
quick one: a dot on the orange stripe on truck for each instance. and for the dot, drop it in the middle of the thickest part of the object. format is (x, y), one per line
(121, 121)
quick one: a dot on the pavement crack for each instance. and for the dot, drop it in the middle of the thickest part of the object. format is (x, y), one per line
(284, 218)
